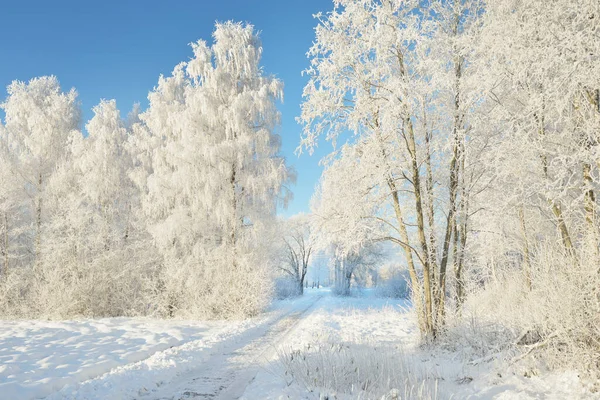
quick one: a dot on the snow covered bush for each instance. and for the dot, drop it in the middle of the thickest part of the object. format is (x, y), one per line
(15, 293)
(350, 371)
(555, 320)
(209, 292)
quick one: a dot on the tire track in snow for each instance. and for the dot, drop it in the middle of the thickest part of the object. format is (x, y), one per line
(226, 374)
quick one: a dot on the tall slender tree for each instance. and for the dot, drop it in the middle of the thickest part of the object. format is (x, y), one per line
(39, 118)
(392, 73)
(216, 173)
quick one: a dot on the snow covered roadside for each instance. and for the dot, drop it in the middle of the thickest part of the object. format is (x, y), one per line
(111, 358)
(371, 325)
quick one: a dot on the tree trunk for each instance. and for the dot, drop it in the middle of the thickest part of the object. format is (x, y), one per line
(461, 259)
(303, 276)
(348, 282)
(432, 245)
(429, 189)
(460, 233)
(526, 256)
(408, 253)
(233, 228)
(4, 271)
(416, 180)
(425, 313)
(454, 172)
(38, 223)
(562, 227)
(457, 267)
(589, 197)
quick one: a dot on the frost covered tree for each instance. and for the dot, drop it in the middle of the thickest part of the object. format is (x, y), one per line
(394, 74)
(296, 248)
(216, 175)
(543, 84)
(39, 118)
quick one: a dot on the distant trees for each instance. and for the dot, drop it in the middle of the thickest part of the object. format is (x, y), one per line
(161, 213)
(354, 267)
(297, 245)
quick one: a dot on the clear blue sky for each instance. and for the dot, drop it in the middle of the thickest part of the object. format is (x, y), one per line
(117, 49)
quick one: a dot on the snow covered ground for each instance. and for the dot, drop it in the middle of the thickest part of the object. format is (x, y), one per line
(383, 325)
(363, 320)
(122, 357)
(38, 358)
(126, 358)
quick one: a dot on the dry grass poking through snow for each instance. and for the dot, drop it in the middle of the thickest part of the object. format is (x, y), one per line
(358, 371)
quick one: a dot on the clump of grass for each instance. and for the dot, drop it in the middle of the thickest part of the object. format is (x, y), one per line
(358, 371)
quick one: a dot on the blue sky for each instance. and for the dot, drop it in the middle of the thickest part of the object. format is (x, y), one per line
(117, 49)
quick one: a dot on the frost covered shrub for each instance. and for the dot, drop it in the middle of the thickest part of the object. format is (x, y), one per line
(15, 290)
(104, 288)
(557, 319)
(216, 288)
(351, 371)
(340, 290)
(396, 286)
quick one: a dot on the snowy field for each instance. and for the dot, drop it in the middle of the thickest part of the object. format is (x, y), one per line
(38, 358)
(117, 357)
(127, 358)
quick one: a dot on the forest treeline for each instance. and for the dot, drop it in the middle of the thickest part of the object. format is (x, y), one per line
(159, 213)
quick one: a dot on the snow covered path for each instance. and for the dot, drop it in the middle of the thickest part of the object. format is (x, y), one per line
(126, 357)
(194, 360)
(228, 371)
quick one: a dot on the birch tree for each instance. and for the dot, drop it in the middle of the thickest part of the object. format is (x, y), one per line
(297, 247)
(39, 118)
(216, 173)
(391, 72)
